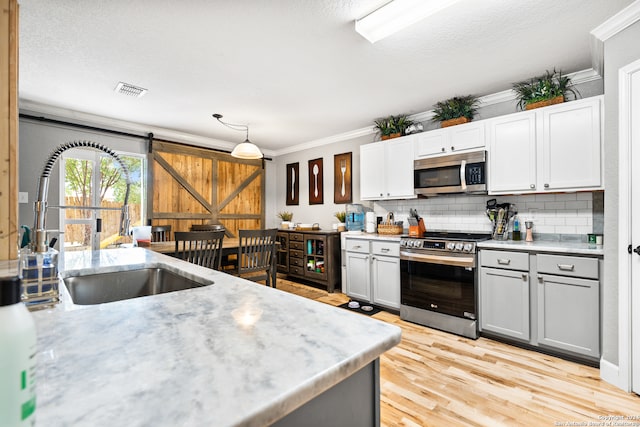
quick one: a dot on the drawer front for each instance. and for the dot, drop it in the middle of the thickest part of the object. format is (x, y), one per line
(298, 271)
(296, 245)
(505, 260)
(357, 245)
(385, 248)
(572, 266)
(298, 237)
(296, 254)
(299, 262)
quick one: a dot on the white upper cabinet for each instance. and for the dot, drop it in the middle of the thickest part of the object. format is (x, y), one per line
(512, 152)
(450, 140)
(557, 148)
(571, 148)
(386, 169)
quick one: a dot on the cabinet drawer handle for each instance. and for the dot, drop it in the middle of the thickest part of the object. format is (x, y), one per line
(357, 247)
(384, 250)
(434, 305)
(504, 261)
(566, 267)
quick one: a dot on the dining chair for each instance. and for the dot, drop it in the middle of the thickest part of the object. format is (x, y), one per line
(200, 247)
(210, 227)
(161, 233)
(257, 254)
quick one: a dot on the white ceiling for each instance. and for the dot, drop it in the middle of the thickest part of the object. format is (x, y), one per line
(295, 71)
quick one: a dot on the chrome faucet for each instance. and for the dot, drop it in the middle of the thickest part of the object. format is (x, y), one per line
(40, 206)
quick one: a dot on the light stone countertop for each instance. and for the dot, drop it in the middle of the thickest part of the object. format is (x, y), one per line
(371, 236)
(575, 248)
(232, 353)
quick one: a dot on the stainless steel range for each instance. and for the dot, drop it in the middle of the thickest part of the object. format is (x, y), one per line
(439, 281)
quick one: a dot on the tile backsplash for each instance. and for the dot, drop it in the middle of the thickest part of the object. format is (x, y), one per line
(562, 213)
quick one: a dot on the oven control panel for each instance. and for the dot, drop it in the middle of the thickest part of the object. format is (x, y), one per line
(439, 245)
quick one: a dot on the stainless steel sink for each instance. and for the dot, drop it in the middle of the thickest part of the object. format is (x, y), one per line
(121, 285)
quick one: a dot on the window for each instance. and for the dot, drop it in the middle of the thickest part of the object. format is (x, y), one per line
(93, 191)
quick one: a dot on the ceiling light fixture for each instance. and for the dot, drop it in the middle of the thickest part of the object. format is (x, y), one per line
(246, 149)
(397, 15)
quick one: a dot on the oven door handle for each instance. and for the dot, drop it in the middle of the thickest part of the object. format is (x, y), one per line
(439, 259)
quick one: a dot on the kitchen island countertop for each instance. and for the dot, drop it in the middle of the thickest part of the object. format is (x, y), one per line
(231, 353)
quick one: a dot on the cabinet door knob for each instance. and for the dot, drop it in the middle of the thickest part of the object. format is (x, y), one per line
(546, 186)
(453, 148)
(380, 194)
(524, 276)
(443, 149)
(532, 186)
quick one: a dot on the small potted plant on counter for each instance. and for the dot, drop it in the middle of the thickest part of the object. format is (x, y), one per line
(341, 217)
(456, 110)
(541, 91)
(286, 218)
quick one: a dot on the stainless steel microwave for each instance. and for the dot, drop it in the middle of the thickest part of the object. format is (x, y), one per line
(456, 173)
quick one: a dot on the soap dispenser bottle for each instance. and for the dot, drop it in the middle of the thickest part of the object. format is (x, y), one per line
(516, 227)
(17, 357)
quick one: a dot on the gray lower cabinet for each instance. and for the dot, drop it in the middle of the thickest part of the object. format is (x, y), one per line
(569, 306)
(545, 300)
(504, 302)
(373, 271)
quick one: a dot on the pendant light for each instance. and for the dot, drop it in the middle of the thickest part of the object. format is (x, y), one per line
(246, 149)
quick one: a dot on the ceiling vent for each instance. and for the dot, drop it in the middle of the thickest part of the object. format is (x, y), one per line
(131, 90)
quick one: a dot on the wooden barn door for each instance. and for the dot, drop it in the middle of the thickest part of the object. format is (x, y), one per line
(191, 185)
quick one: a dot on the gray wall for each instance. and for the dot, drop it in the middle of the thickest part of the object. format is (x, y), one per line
(323, 214)
(619, 51)
(36, 141)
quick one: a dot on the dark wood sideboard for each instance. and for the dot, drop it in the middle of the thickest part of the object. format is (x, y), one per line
(310, 255)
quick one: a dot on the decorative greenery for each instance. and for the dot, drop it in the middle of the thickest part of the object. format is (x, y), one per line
(340, 216)
(458, 106)
(285, 216)
(541, 88)
(393, 124)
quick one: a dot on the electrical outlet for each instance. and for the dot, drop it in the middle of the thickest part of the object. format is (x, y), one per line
(23, 197)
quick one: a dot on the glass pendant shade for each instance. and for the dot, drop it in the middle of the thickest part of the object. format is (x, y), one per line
(247, 150)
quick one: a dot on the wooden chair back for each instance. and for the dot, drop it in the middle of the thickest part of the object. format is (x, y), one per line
(161, 233)
(257, 253)
(200, 247)
(210, 227)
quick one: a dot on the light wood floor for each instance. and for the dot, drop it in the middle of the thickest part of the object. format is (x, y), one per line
(433, 378)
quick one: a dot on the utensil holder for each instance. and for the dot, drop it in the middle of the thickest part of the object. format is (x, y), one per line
(501, 230)
(39, 271)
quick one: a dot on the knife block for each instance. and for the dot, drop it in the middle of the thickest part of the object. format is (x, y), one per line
(417, 230)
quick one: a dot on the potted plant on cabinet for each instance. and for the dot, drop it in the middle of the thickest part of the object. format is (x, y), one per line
(541, 91)
(456, 110)
(392, 126)
(286, 218)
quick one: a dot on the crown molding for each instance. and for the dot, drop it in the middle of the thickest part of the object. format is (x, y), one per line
(609, 28)
(577, 77)
(125, 126)
(187, 138)
(369, 130)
